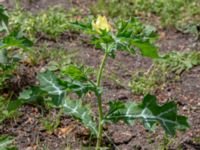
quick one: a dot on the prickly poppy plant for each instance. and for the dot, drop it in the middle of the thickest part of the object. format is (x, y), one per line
(125, 35)
(10, 43)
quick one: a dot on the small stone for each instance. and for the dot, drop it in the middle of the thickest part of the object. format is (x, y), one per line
(185, 108)
(194, 108)
(122, 137)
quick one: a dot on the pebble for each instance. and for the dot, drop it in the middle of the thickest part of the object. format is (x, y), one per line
(185, 108)
(194, 108)
(122, 137)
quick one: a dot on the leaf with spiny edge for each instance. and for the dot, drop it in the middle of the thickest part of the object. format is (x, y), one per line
(3, 19)
(58, 88)
(31, 95)
(15, 39)
(50, 83)
(82, 89)
(150, 113)
(78, 81)
(75, 73)
(147, 49)
(127, 35)
(81, 112)
(133, 34)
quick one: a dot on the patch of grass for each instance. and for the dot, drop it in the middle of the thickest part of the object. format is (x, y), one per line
(51, 122)
(142, 83)
(167, 141)
(6, 143)
(6, 71)
(60, 59)
(5, 113)
(164, 70)
(54, 58)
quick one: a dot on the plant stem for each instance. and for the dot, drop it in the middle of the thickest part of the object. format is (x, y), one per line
(17, 4)
(99, 98)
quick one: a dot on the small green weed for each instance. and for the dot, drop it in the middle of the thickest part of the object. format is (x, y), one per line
(166, 142)
(4, 112)
(55, 57)
(51, 122)
(164, 70)
(6, 143)
(196, 139)
(50, 23)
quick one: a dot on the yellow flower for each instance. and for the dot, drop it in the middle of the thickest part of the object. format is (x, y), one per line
(101, 24)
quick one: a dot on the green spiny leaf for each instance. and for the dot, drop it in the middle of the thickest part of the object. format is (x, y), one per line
(3, 19)
(146, 48)
(15, 39)
(3, 57)
(134, 29)
(75, 73)
(87, 27)
(150, 113)
(77, 80)
(31, 95)
(81, 112)
(50, 84)
(14, 105)
(79, 87)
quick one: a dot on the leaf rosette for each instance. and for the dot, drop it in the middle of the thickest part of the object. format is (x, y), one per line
(129, 35)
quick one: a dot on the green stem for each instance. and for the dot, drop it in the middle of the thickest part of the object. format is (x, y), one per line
(99, 98)
(17, 4)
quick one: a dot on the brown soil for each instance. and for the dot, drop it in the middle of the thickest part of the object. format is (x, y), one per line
(30, 133)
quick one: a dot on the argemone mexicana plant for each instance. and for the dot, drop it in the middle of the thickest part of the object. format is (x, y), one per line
(130, 36)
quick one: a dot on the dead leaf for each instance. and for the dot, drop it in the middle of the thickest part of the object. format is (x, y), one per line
(63, 132)
(162, 35)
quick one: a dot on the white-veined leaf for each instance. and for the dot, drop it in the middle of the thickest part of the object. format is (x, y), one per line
(76, 109)
(150, 113)
(3, 19)
(50, 84)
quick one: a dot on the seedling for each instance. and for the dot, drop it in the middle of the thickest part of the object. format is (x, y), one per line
(130, 36)
(51, 122)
